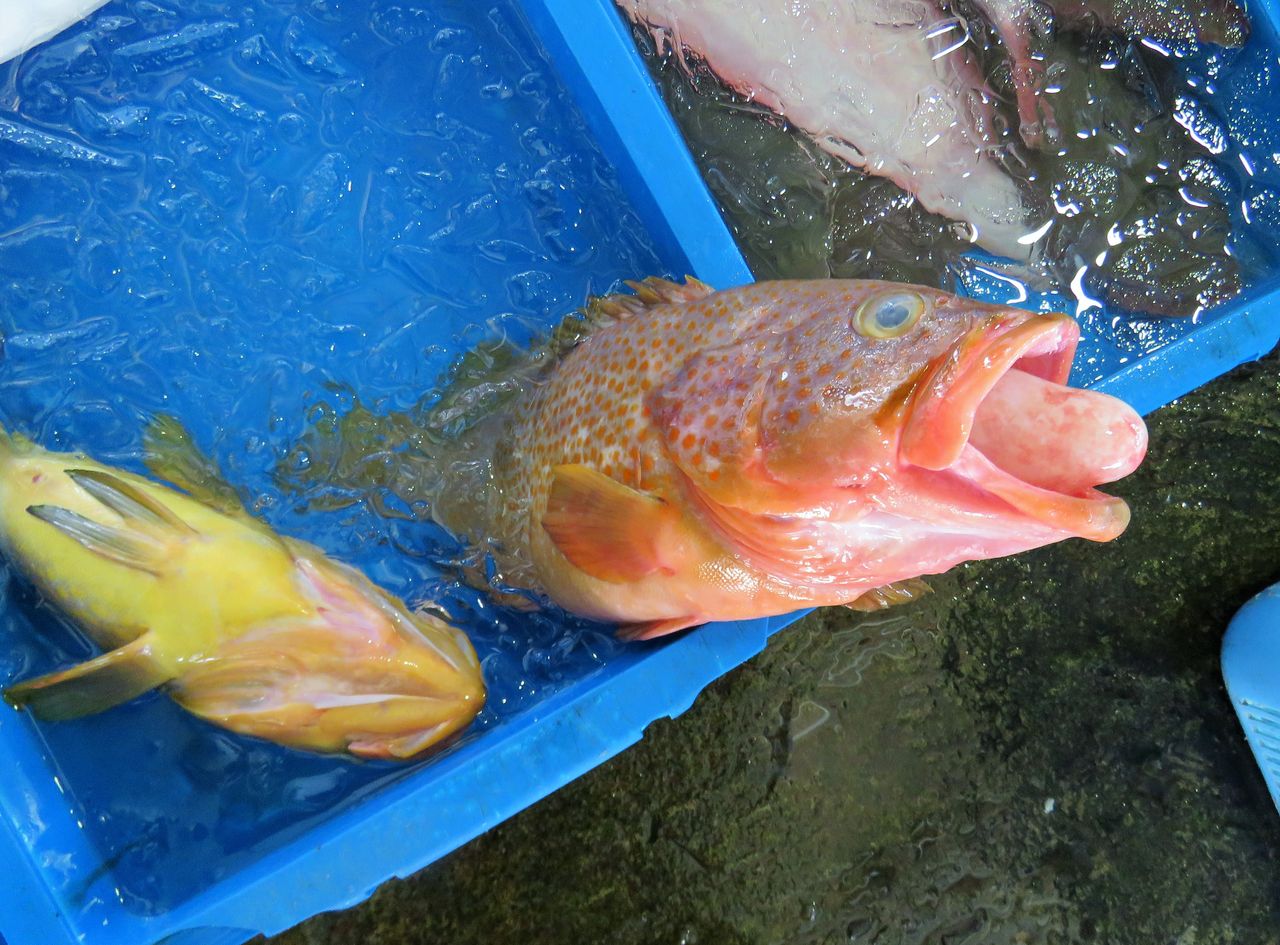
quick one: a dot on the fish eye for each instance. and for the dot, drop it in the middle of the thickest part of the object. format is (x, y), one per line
(888, 315)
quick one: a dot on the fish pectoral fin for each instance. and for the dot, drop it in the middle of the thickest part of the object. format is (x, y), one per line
(171, 454)
(649, 629)
(611, 531)
(891, 595)
(101, 683)
(132, 549)
(129, 502)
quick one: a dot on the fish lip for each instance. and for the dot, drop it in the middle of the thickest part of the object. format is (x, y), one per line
(943, 405)
(1091, 514)
(944, 402)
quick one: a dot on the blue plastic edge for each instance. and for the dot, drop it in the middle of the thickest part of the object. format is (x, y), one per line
(1245, 332)
(405, 827)
(1250, 657)
(40, 920)
(592, 49)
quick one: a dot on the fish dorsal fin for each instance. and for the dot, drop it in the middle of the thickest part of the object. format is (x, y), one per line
(108, 680)
(648, 292)
(11, 442)
(171, 454)
(611, 531)
(891, 595)
(656, 291)
(132, 548)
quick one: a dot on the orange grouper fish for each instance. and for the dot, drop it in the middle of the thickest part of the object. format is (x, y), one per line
(725, 455)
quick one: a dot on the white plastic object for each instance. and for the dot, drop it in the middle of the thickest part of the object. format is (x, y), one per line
(26, 23)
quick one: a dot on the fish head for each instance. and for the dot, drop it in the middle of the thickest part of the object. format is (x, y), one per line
(935, 427)
(838, 381)
(958, 412)
(357, 673)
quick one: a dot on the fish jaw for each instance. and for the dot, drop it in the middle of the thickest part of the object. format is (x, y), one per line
(360, 675)
(943, 405)
(994, 418)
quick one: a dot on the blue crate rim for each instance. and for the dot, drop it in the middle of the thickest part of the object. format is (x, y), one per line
(592, 44)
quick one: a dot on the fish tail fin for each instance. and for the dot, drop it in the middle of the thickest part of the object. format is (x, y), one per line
(113, 678)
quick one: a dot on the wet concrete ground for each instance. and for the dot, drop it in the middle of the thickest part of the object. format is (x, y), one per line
(1041, 752)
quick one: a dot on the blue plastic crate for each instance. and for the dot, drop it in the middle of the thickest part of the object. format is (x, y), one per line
(57, 883)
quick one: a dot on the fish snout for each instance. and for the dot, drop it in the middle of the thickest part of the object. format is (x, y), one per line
(359, 673)
(995, 413)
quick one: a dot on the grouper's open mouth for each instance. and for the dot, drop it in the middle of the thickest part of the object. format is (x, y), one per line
(996, 412)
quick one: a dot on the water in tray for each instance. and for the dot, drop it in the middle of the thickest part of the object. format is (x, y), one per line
(225, 211)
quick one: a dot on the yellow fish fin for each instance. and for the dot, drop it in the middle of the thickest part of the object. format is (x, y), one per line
(108, 680)
(133, 549)
(900, 592)
(611, 531)
(129, 502)
(171, 454)
(649, 629)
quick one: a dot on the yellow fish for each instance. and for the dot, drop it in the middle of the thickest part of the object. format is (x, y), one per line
(258, 633)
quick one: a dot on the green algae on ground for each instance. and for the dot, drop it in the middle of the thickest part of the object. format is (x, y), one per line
(1040, 752)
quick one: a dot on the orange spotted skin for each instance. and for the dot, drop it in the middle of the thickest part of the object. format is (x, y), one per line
(597, 409)
(759, 429)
